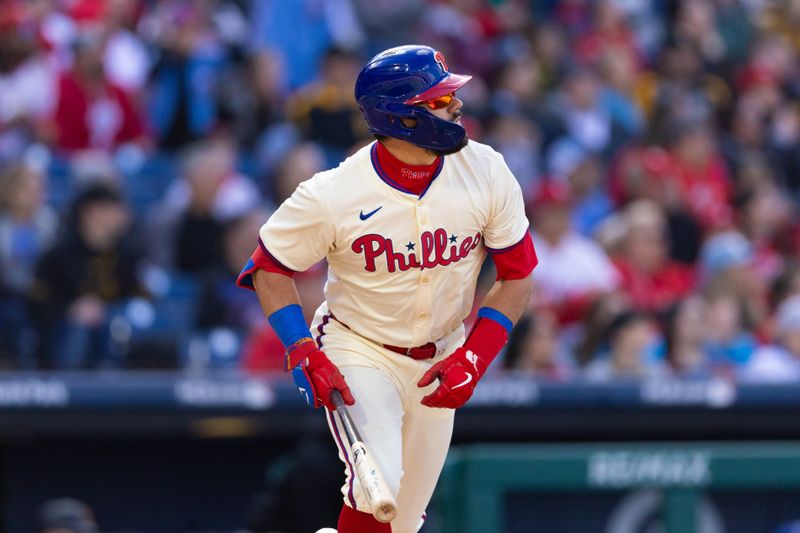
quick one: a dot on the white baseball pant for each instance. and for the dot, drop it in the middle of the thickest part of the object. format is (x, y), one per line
(407, 440)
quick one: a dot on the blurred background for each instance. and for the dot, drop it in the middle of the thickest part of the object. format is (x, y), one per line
(144, 142)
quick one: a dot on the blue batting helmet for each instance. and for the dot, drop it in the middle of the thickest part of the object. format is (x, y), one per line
(393, 81)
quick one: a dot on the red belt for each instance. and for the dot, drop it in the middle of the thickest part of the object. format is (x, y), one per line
(426, 351)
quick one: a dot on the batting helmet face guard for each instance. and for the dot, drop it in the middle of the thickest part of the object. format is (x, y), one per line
(390, 85)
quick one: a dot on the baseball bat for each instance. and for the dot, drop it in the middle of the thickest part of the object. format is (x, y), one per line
(380, 499)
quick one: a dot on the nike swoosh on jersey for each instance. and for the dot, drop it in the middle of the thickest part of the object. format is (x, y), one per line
(469, 378)
(362, 216)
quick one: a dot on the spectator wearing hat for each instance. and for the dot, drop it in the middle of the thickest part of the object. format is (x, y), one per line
(725, 253)
(728, 263)
(573, 268)
(779, 362)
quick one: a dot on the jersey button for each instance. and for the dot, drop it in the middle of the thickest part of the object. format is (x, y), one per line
(425, 280)
(423, 315)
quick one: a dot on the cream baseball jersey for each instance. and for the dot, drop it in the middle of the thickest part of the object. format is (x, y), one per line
(402, 268)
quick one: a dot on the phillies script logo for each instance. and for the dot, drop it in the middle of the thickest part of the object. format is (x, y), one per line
(437, 250)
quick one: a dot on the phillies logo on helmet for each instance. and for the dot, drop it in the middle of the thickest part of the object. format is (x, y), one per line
(439, 58)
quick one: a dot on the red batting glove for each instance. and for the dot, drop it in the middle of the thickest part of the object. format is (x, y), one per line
(316, 377)
(457, 374)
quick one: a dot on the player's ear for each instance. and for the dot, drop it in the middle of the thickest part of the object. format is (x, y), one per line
(409, 123)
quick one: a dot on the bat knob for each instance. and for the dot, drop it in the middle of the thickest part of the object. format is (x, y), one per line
(385, 513)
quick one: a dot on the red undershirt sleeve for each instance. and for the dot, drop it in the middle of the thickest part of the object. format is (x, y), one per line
(261, 260)
(516, 261)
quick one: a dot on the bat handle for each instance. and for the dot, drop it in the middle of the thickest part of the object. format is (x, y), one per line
(336, 398)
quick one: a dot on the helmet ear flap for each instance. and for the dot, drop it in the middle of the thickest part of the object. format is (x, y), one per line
(389, 118)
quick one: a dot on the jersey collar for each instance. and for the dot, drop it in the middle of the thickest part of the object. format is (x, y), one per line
(383, 175)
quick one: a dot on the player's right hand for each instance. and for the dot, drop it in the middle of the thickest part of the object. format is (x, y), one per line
(316, 377)
(458, 374)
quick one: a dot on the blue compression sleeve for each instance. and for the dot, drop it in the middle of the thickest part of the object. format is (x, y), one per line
(289, 324)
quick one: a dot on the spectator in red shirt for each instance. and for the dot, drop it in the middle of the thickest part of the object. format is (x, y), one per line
(93, 113)
(652, 280)
(703, 181)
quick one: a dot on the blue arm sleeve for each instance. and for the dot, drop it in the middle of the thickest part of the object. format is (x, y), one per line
(289, 324)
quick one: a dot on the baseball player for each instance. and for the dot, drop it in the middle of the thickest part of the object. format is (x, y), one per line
(405, 224)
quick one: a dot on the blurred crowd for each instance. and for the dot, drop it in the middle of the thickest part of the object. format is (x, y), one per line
(657, 144)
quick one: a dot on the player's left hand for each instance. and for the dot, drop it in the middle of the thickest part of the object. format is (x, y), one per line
(457, 374)
(315, 375)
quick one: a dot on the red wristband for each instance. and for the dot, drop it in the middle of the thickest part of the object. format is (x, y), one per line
(486, 339)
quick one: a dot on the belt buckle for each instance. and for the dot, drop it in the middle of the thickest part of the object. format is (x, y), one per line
(408, 352)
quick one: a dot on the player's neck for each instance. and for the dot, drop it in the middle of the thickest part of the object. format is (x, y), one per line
(408, 153)
(408, 177)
